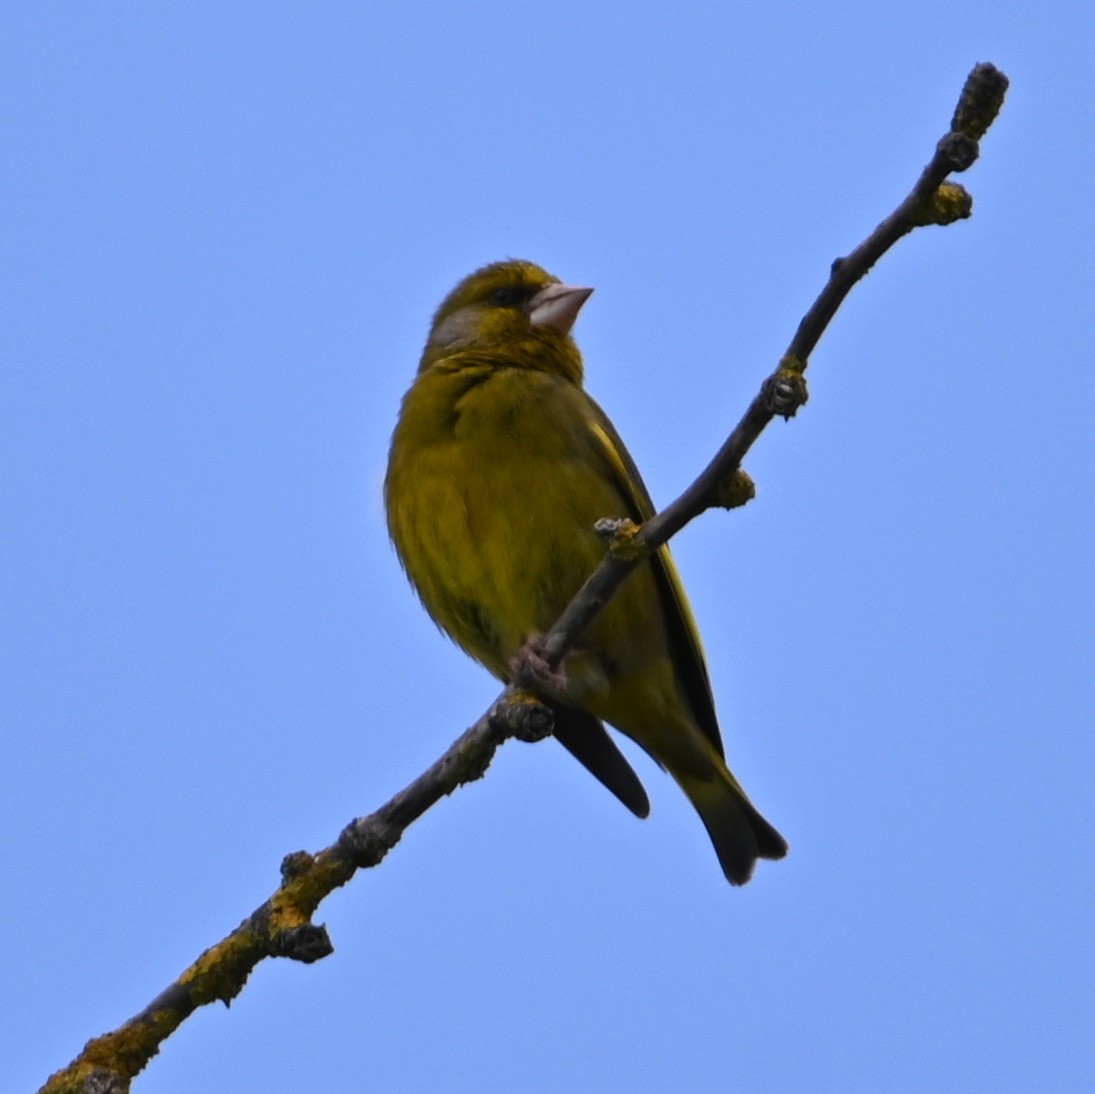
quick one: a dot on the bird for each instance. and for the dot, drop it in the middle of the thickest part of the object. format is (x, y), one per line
(500, 466)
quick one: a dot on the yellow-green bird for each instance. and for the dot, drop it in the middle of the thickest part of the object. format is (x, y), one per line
(500, 466)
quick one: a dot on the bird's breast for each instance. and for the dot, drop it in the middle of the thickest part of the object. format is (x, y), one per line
(491, 509)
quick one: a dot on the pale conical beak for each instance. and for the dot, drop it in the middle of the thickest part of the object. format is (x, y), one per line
(557, 306)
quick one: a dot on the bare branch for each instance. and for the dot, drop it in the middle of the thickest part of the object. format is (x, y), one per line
(282, 927)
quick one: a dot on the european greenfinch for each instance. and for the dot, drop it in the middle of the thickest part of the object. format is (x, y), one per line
(500, 466)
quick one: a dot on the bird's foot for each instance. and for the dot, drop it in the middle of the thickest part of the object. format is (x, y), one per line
(532, 669)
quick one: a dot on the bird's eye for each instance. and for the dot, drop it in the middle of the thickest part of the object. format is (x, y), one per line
(506, 296)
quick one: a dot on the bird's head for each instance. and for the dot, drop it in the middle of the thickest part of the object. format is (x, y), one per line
(511, 310)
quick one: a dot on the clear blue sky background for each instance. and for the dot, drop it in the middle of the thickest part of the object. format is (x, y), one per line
(224, 229)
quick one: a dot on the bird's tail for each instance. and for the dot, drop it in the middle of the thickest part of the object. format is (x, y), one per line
(738, 831)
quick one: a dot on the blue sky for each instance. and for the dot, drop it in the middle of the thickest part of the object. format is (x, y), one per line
(224, 230)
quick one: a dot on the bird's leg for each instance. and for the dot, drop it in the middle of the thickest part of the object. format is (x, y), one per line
(531, 668)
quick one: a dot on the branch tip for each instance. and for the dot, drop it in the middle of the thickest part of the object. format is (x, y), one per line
(980, 102)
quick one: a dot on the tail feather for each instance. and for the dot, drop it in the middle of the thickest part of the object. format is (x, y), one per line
(587, 740)
(739, 833)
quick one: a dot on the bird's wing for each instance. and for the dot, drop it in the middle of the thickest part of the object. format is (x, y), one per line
(684, 636)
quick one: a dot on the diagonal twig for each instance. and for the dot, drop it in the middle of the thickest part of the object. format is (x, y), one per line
(281, 926)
